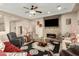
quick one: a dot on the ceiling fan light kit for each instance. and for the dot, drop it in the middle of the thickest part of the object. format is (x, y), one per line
(59, 7)
(32, 10)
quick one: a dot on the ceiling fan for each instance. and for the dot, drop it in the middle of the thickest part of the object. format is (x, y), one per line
(32, 10)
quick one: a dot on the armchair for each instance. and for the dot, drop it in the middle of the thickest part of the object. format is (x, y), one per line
(17, 41)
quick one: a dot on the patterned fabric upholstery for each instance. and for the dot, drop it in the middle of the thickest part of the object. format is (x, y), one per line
(34, 52)
(2, 46)
(10, 47)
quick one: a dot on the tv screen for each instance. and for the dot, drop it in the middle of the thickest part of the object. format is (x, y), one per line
(52, 23)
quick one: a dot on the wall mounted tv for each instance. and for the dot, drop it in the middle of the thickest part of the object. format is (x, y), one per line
(51, 22)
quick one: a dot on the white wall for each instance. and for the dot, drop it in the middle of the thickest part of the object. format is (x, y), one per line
(26, 26)
(13, 26)
(72, 28)
(42, 28)
(77, 22)
(7, 27)
(10, 24)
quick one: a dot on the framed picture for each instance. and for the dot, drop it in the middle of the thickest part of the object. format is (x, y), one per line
(20, 30)
(68, 21)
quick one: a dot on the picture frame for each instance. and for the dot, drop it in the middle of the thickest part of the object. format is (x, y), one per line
(68, 21)
(20, 30)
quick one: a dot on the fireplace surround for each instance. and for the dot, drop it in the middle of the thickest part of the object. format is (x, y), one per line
(49, 35)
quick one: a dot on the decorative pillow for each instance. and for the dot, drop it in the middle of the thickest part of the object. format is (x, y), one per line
(2, 46)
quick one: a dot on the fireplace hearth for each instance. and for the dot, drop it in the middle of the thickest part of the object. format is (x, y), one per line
(51, 35)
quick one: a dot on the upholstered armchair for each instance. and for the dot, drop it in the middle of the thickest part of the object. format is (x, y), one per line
(17, 41)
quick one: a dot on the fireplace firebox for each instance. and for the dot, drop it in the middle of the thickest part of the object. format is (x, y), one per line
(51, 35)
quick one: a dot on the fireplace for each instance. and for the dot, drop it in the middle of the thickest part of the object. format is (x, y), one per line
(51, 35)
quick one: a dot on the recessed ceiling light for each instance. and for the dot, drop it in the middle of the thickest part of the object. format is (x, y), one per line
(48, 12)
(59, 7)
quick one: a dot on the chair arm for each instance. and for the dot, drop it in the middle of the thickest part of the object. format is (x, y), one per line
(21, 38)
(16, 42)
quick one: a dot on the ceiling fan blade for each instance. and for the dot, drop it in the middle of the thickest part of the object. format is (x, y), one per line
(39, 11)
(32, 7)
(26, 8)
(27, 12)
(35, 8)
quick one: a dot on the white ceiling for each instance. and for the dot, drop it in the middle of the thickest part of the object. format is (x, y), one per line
(17, 9)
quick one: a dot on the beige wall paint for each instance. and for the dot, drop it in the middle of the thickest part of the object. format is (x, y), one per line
(10, 24)
(7, 25)
(26, 26)
(72, 28)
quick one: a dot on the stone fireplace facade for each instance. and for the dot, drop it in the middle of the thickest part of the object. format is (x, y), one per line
(51, 30)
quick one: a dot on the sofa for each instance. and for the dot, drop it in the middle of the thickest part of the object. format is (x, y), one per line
(72, 51)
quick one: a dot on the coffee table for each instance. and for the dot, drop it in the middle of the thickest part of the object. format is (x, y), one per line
(48, 47)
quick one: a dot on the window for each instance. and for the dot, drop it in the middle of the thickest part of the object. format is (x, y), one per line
(2, 25)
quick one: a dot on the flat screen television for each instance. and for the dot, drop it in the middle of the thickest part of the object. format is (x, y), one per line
(51, 22)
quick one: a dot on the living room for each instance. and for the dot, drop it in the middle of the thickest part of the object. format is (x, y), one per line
(39, 29)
